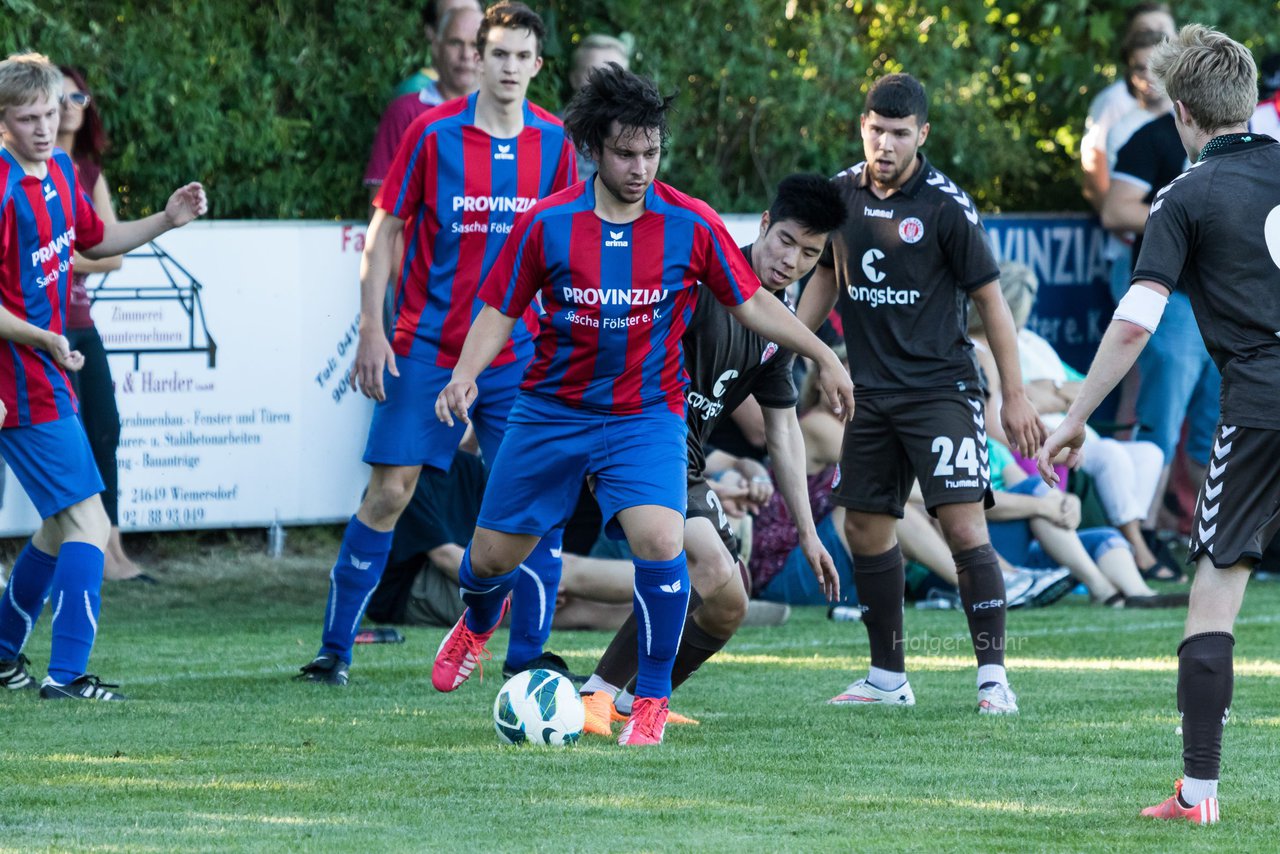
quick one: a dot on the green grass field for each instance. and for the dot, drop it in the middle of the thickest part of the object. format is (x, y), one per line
(219, 748)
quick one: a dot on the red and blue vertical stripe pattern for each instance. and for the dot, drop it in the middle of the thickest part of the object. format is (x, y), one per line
(616, 298)
(458, 189)
(42, 222)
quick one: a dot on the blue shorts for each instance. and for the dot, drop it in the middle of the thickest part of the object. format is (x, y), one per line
(1013, 540)
(551, 447)
(405, 430)
(53, 462)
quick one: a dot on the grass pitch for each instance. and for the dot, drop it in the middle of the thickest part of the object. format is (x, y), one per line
(218, 748)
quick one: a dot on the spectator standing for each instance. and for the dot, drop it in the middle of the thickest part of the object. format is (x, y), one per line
(433, 14)
(595, 51)
(1113, 102)
(81, 134)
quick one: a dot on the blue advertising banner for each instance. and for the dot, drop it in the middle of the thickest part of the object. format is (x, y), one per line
(1067, 254)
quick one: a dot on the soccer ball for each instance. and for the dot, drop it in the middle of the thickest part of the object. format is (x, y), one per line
(540, 707)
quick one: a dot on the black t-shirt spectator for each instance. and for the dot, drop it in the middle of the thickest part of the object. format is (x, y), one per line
(1151, 158)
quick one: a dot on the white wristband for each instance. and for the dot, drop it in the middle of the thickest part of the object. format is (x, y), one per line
(1142, 306)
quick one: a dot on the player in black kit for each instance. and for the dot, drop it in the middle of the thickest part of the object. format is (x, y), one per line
(1214, 232)
(904, 266)
(727, 362)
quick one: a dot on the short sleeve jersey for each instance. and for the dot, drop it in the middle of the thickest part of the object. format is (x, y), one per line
(726, 363)
(458, 189)
(1112, 102)
(395, 120)
(904, 267)
(1214, 232)
(1151, 158)
(42, 222)
(616, 298)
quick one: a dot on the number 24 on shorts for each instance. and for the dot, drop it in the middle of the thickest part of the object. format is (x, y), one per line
(965, 458)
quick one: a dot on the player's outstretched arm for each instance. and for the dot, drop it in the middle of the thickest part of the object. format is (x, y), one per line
(183, 206)
(373, 352)
(1123, 341)
(787, 450)
(1021, 423)
(21, 332)
(490, 332)
(765, 315)
(819, 297)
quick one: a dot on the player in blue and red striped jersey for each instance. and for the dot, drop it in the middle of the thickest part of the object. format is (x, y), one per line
(615, 262)
(44, 217)
(463, 172)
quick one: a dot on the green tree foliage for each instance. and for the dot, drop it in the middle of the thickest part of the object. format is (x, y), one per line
(273, 103)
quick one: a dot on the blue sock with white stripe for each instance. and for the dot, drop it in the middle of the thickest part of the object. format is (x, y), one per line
(533, 602)
(76, 600)
(661, 601)
(484, 596)
(361, 560)
(24, 598)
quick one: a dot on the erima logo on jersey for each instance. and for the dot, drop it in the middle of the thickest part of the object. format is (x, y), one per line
(503, 153)
(361, 565)
(673, 587)
(616, 238)
(50, 192)
(496, 204)
(598, 296)
(52, 249)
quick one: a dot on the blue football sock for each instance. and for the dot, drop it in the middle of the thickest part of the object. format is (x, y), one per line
(484, 596)
(533, 602)
(28, 590)
(661, 600)
(76, 597)
(361, 560)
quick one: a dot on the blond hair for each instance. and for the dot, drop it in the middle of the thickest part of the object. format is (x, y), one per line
(24, 77)
(1213, 76)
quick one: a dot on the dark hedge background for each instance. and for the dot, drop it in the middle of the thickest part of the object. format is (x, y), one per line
(273, 103)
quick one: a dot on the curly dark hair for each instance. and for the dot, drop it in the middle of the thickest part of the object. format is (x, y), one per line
(615, 94)
(91, 140)
(811, 200)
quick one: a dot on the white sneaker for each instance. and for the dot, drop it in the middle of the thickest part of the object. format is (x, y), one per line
(997, 700)
(1017, 588)
(863, 693)
(1050, 585)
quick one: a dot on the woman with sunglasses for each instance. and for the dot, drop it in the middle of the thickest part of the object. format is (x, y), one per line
(81, 134)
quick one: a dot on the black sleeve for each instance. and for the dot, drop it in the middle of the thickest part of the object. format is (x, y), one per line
(965, 246)
(1169, 237)
(1136, 160)
(776, 388)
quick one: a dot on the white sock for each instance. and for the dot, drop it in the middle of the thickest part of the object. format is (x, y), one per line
(624, 701)
(992, 673)
(1194, 791)
(886, 680)
(595, 683)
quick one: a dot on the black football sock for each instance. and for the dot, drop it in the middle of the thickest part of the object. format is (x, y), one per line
(880, 581)
(1205, 677)
(982, 595)
(696, 646)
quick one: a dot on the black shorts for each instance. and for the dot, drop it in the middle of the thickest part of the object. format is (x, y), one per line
(941, 437)
(1238, 511)
(703, 502)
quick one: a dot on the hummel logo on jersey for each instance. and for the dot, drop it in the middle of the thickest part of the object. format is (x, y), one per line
(877, 212)
(496, 204)
(503, 153)
(51, 249)
(50, 192)
(943, 183)
(616, 238)
(361, 565)
(673, 587)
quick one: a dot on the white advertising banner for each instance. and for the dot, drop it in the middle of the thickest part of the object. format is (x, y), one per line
(229, 344)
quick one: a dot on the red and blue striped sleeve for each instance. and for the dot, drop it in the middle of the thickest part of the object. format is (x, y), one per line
(517, 275)
(720, 264)
(567, 174)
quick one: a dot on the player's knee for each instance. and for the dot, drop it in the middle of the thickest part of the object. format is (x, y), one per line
(965, 534)
(659, 545)
(85, 522)
(388, 496)
(708, 573)
(723, 611)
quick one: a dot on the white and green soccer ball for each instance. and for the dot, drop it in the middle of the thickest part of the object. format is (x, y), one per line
(538, 707)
